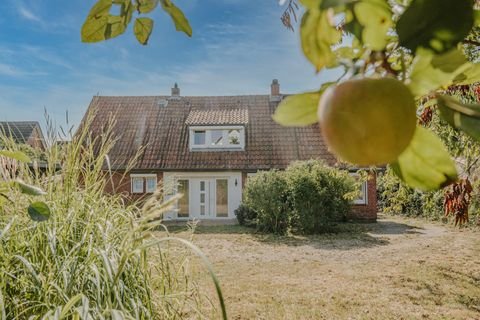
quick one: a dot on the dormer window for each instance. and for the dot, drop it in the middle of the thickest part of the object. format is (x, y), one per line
(223, 138)
(217, 129)
(199, 137)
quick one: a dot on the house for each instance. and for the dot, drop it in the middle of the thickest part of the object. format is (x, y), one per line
(206, 148)
(24, 132)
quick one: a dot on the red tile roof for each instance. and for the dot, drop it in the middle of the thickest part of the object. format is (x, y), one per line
(162, 130)
(200, 117)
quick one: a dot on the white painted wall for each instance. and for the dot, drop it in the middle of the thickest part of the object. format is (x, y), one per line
(234, 191)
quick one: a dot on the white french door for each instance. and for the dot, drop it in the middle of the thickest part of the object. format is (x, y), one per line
(204, 203)
(212, 199)
(206, 195)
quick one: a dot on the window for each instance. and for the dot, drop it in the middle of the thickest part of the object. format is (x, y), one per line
(222, 198)
(184, 202)
(217, 137)
(203, 198)
(151, 184)
(362, 198)
(137, 185)
(232, 138)
(144, 183)
(199, 138)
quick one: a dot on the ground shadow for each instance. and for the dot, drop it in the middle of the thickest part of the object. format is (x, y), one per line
(341, 236)
(388, 227)
(344, 236)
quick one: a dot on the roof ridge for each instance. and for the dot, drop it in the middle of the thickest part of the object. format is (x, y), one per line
(194, 96)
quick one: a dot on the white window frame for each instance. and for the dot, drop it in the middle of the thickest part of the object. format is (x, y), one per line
(363, 200)
(208, 138)
(144, 178)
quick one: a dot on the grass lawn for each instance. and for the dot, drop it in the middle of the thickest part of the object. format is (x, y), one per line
(394, 269)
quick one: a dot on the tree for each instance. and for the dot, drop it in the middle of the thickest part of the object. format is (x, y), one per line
(429, 45)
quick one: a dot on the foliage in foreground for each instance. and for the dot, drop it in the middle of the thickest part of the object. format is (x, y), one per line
(460, 200)
(427, 45)
(306, 198)
(93, 258)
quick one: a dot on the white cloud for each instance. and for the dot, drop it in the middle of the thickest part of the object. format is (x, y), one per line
(29, 15)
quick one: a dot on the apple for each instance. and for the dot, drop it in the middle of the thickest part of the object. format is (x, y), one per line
(368, 121)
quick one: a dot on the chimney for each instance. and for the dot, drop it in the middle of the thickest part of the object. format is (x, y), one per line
(175, 90)
(275, 95)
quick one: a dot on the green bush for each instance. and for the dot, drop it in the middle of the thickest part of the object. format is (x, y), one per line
(306, 198)
(396, 198)
(319, 195)
(267, 194)
(246, 216)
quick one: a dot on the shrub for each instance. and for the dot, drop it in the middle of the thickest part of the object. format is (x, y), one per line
(246, 216)
(396, 198)
(319, 195)
(306, 198)
(267, 194)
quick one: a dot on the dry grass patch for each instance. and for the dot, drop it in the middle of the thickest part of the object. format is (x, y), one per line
(394, 269)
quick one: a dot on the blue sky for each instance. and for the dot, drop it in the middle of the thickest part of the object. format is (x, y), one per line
(238, 47)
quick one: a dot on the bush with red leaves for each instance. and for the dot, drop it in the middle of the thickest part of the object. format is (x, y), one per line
(457, 201)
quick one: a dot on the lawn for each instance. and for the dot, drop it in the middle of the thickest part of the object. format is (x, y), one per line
(394, 269)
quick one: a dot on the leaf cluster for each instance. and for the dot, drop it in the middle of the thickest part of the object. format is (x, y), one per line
(429, 45)
(101, 24)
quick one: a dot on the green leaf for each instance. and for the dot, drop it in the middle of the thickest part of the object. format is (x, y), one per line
(469, 76)
(318, 35)
(95, 26)
(146, 6)
(29, 189)
(431, 72)
(299, 110)
(376, 18)
(438, 25)
(465, 117)
(325, 4)
(143, 29)
(39, 211)
(115, 27)
(425, 164)
(314, 4)
(101, 8)
(179, 19)
(17, 155)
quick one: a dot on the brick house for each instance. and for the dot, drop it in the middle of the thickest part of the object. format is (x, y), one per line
(24, 132)
(206, 148)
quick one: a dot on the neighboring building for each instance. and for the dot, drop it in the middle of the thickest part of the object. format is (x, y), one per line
(206, 148)
(24, 132)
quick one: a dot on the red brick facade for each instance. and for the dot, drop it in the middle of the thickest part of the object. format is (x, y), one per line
(367, 212)
(122, 184)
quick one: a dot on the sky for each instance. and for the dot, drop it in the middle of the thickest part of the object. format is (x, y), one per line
(238, 47)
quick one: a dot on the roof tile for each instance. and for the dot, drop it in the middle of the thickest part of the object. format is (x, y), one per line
(163, 132)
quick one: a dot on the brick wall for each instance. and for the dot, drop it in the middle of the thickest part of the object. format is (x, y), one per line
(367, 212)
(122, 185)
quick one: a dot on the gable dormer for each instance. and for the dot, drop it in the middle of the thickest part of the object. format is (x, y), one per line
(217, 130)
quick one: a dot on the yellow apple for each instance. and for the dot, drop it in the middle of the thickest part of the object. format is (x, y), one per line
(368, 121)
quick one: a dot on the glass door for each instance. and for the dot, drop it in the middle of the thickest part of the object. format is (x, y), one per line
(204, 198)
(221, 198)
